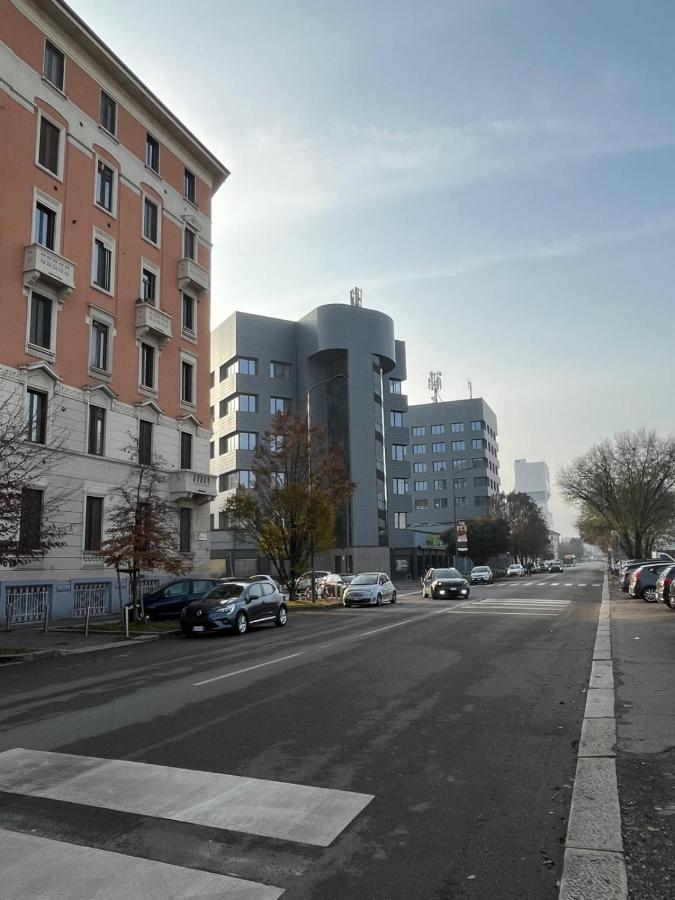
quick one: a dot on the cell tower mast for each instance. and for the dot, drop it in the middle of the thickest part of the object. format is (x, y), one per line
(435, 384)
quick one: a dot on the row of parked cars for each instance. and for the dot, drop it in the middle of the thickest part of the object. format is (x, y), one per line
(649, 579)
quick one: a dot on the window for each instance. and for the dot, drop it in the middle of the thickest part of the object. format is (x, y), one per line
(242, 366)
(212, 450)
(440, 465)
(148, 286)
(96, 445)
(150, 221)
(440, 502)
(40, 326)
(36, 416)
(458, 464)
(479, 461)
(438, 429)
(152, 152)
(276, 443)
(188, 314)
(419, 449)
(243, 403)
(481, 501)
(457, 445)
(105, 181)
(49, 147)
(243, 440)
(461, 502)
(54, 65)
(482, 481)
(185, 450)
(476, 443)
(187, 382)
(438, 447)
(440, 484)
(418, 431)
(395, 386)
(419, 467)
(243, 478)
(102, 264)
(421, 503)
(277, 404)
(185, 529)
(400, 485)
(30, 521)
(280, 370)
(459, 483)
(421, 486)
(148, 359)
(145, 442)
(398, 452)
(108, 117)
(400, 520)
(45, 226)
(189, 244)
(100, 333)
(278, 479)
(476, 425)
(93, 524)
(457, 427)
(396, 418)
(189, 186)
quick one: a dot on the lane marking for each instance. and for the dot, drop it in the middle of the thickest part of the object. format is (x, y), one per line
(503, 612)
(270, 662)
(568, 584)
(291, 812)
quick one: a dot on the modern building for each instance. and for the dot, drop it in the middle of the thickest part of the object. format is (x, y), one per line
(343, 363)
(533, 478)
(105, 247)
(454, 461)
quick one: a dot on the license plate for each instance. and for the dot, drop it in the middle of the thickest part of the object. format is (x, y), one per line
(197, 627)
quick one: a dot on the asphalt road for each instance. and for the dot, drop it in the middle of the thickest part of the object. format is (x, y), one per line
(443, 733)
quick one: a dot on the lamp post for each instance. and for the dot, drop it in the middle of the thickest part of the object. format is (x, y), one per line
(309, 472)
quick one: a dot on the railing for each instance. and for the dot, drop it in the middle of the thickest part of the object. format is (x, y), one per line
(26, 603)
(148, 584)
(92, 595)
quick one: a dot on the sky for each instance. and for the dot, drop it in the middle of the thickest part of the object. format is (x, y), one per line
(496, 175)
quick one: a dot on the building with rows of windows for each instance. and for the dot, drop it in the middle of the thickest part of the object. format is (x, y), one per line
(105, 244)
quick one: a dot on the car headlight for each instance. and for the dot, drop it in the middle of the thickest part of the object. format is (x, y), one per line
(229, 609)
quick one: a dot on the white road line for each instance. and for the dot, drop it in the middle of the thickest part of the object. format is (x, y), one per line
(503, 612)
(568, 584)
(543, 583)
(396, 624)
(269, 662)
(554, 583)
(35, 867)
(581, 584)
(291, 812)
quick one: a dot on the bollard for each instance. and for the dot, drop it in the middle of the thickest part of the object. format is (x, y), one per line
(46, 628)
(86, 620)
(126, 621)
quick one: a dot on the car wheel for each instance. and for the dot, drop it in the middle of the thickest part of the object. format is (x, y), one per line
(282, 616)
(241, 623)
(379, 600)
(649, 595)
(393, 598)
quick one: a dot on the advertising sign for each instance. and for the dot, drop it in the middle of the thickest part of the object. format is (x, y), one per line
(462, 540)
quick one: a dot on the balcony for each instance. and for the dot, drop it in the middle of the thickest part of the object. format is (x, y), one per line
(188, 485)
(192, 276)
(152, 321)
(43, 266)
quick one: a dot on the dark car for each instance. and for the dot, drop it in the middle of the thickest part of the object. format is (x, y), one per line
(555, 565)
(643, 581)
(167, 601)
(627, 573)
(445, 583)
(234, 606)
(663, 587)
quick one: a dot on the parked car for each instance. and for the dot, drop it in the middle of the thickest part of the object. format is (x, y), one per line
(555, 565)
(331, 586)
(168, 600)
(643, 581)
(369, 589)
(268, 578)
(481, 575)
(627, 573)
(445, 583)
(235, 606)
(515, 570)
(305, 580)
(663, 586)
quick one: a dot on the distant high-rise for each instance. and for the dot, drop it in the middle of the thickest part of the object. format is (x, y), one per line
(533, 478)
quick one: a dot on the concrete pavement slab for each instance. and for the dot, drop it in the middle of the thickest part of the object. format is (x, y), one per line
(598, 737)
(599, 703)
(591, 875)
(595, 819)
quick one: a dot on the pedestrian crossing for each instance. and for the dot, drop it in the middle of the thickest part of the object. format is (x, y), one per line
(511, 606)
(526, 582)
(271, 809)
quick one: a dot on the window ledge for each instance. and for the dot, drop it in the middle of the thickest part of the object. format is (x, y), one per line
(146, 391)
(189, 336)
(153, 172)
(102, 290)
(40, 352)
(54, 88)
(54, 175)
(148, 241)
(108, 133)
(108, 212)
(100, 374)
(185, 404)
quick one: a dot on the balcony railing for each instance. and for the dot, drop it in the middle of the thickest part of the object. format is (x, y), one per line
(188, 485)
(41, 265)
(192, 276)
(152, 321)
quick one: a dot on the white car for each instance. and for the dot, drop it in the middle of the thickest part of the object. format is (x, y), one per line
(369, 589)
(515, 570)
(481, 575)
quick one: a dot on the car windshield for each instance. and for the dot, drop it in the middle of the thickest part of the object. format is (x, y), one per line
(446, 573)
(369, 578)
(480, 569)
(514, 566)
(225, 592)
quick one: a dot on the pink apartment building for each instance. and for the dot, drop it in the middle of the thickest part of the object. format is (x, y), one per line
(105, 247)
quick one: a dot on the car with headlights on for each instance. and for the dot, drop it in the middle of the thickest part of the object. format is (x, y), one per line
(235, 606)
(481, 575)
(369, 589)
(445, 583)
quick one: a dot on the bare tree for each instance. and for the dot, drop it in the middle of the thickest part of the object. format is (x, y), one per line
(529, 536)
(629, 484)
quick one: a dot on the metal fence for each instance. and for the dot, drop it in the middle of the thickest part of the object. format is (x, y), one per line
(94, 595)
(27, 603)
(149, 584)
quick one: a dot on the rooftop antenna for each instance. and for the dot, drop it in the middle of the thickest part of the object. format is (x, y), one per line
(470, 389)
(435, 384)
(356, 296)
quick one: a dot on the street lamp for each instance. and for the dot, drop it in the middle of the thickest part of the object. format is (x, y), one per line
(309, 472)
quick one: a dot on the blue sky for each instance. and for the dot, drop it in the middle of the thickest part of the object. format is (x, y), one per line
(498, 176)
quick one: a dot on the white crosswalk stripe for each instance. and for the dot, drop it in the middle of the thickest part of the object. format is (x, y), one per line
(514, 607)
(292, 812)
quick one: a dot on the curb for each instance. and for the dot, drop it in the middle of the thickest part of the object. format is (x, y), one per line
(594, 865)
(11, 659)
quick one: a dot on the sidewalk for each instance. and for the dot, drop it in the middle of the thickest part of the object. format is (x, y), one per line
(643, 650)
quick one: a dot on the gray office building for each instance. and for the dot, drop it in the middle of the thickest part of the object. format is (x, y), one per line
(345, 359)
